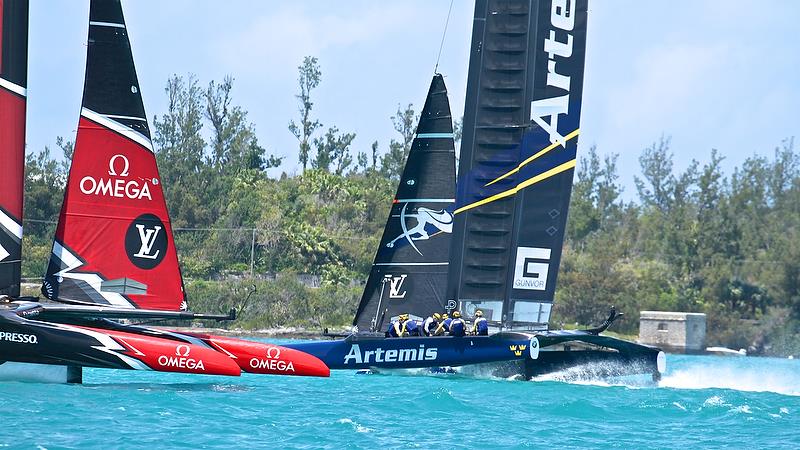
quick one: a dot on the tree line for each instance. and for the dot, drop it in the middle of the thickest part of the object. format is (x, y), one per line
(697, 240)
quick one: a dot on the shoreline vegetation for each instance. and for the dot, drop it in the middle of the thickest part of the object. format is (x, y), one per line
(293, 248)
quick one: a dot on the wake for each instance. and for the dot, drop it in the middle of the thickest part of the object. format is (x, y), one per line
(767, 378)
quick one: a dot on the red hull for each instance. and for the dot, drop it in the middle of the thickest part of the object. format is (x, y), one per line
(256, 357)
(164, 355)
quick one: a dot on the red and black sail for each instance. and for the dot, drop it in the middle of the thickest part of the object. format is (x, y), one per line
(409, 273)
(113, 244)
(13, 83)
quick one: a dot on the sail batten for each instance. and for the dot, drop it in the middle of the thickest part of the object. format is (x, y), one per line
(518, 156)
(409, 273)
(114, 242)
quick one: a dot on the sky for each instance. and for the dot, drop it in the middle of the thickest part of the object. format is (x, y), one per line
(721, 74)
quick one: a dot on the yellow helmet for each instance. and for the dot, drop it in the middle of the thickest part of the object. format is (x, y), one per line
(445, 316)
(479, 313)
(403, 316)
(456, 314)
(437, 316)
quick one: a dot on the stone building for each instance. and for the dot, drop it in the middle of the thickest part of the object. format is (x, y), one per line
(673, 331)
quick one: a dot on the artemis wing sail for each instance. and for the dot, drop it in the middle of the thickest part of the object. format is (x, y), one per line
(13, 82)
(113, 245)
(409, 273)
(518, 155)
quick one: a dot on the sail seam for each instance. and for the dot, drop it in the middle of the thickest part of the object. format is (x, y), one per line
(15, 88)
(533, 180)
(117, 127)
(535, 156)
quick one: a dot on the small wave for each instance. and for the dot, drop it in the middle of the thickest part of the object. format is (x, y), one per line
(357, 427)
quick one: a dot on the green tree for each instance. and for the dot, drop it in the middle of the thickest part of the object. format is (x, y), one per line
(309, 78)
(404, 122)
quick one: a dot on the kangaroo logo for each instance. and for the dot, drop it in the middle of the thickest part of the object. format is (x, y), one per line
(441, 220)
(146, 241)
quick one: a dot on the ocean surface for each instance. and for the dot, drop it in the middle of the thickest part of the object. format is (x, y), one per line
(701, 402)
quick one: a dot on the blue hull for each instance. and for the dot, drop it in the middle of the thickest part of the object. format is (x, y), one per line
(364, 351)
(525, 354)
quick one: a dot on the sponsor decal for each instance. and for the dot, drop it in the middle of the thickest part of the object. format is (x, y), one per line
(19, 338)
(517, 350)
(534, 348)
(531, 269)
(558, 43)
(181, 360)
(428, 220)
(396, 286)
(272, 362)
(118, 184)
(146, 241)
(380, 355)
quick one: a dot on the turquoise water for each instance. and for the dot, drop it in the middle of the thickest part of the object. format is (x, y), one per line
(702, 402)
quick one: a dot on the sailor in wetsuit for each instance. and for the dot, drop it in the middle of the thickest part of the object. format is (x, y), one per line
(431, 324)
(444, 326)
(457, 326)
(412, 327)
(398, 328)
(480, 326)
(403, 327)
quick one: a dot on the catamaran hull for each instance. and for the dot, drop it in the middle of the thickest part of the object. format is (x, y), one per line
(363, 352)
(30, 341)
(526, 355)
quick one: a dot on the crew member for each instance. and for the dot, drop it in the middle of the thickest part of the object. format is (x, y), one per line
(444, 325)
(398, 327)
(431, 324)
(458, 327)
(412, 327)
(480, 326)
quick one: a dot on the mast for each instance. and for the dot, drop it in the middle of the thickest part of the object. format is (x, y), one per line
(518, 155)
(13, 85)
(113, 243)
(409, 272)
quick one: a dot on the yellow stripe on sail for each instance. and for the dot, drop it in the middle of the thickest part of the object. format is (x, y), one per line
(530, 181)
(535, 156)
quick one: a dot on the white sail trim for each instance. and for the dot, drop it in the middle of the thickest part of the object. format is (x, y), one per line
(425, 200)
(113, 125)
(15, 88)
(92, 279)
(107, 24)
(434, 136)
(10, 224)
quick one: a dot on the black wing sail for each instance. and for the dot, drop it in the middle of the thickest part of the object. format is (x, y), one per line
(409, 273)
(518, 156)
(13, 82)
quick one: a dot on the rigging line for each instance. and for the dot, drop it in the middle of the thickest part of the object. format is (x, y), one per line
(444, 33)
